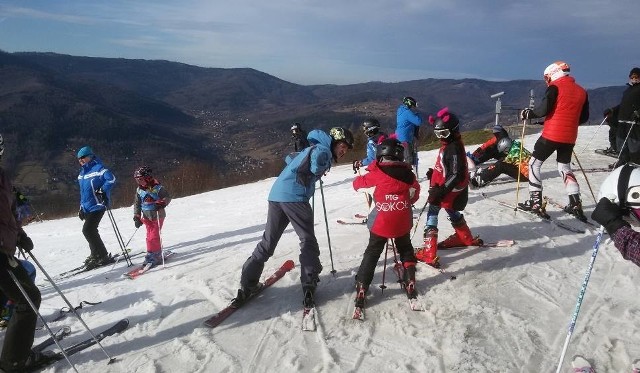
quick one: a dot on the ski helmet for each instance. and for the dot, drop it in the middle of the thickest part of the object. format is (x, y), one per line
(1, 145)
(410, 102)
(391, 148)
(504, 144)
(622, 186)
(142, 172)
(342, 134)
(370, 126)
(444, 124)
(556, 70)
(85, 151)
(634, 71)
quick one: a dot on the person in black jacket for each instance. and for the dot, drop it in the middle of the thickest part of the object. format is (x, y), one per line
(299, 137)
(628, 115)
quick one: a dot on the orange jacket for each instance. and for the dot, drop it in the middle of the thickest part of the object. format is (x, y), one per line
(561, 123)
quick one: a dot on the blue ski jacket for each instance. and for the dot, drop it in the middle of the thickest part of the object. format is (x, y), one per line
(94, 176)
(296, 183)
(406, 123)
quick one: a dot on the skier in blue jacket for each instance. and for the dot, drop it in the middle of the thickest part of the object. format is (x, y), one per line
(95, 183)
(289, 203)
(408, 122)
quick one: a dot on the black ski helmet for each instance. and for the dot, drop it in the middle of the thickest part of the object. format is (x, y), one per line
(410, 102)
(634, 71)
(444, 124)
(342, 134)
(142, 172)
(390, 148)
(370, 126)
(504, 144)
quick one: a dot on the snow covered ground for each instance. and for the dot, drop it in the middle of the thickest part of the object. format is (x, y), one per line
(491, 310)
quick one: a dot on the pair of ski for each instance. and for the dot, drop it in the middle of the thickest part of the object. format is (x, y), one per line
(359, 219)
(308, 311)
(557, 204)
(409, 289)
(83, 268)
(137, 272)
(533, 215)
(49, 359)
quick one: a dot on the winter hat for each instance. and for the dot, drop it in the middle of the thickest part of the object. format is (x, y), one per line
(85, 151)
(635, 70)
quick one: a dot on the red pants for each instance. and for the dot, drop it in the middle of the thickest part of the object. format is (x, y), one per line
(154, 244)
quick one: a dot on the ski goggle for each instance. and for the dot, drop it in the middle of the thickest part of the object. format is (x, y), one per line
(442, 134)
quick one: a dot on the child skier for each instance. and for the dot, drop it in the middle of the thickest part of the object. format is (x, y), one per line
(371, 129)
(396, 189)
(448, 189)
(507, 153)
(149, 209)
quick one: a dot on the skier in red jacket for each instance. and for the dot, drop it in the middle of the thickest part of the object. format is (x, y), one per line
(396, 189)
(448, 189)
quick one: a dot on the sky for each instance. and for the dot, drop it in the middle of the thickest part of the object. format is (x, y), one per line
(501, 309)
(342, 42)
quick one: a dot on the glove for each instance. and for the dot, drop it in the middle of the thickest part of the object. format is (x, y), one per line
(436, 193)
(635, 115)
(356, 166)
(526, 114)
(429, 173)
(136, 221)
(606, 112)
(81, 214)
(102, 197)
(24, 242)
(161, 203)
(609, 215)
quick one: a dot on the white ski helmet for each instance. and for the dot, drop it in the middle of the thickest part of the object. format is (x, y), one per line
(504, 145)
(622, 186)
(556, 70)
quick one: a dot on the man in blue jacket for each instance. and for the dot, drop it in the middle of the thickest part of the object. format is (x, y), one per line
(289, 203)
(408, 122)
(95, 183)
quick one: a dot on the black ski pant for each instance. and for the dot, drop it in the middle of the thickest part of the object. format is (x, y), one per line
(19, 335)
(490, 173)
(279, 215)
(90, 231)
(372, 255)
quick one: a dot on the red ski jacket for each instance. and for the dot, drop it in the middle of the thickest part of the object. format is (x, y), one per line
(396, 189)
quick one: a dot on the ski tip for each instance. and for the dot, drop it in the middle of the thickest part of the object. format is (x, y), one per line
(288, 265)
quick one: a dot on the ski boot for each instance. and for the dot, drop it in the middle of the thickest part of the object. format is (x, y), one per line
(410, 279)
(535, 205)
(575, 207)
(153, 258)
(244, 294)
(462, 237)
(428, 253)
(361, 291)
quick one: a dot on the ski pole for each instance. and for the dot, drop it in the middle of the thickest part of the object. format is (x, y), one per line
(116, 230)
(415, 227)
(127, 244)
(524, 125)
(625, 141)
(585, 177)
(592, 136)
(384, 268)
(366, 195)
(160, 237)
(35, 309)
(583, 289)
(75, 312)
(326, 223)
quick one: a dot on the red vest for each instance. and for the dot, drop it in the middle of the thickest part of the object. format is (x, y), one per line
(561, 123)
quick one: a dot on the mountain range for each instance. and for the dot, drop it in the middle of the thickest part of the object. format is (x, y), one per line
(203, 127)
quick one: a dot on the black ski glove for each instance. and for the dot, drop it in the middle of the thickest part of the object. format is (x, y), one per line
(526, 114)
(137, 222)
(436, 194)
(429, 173)
(81, 214)
(609, 215)
(24, 242)
(356, 166)
(102, 197)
